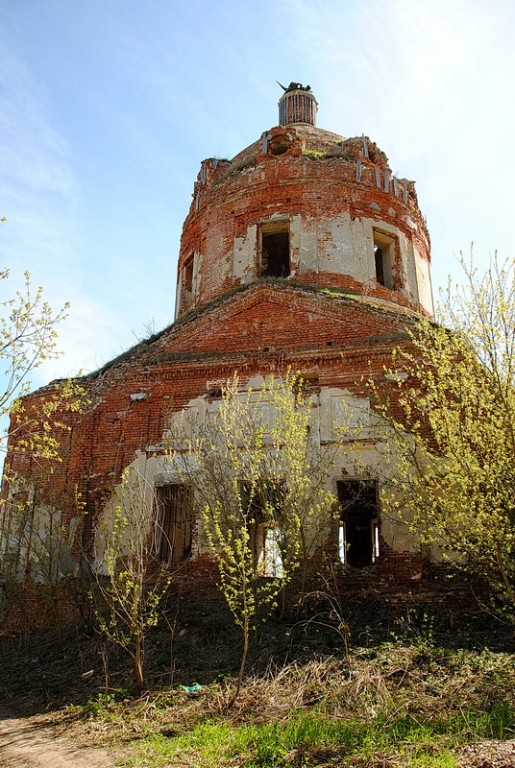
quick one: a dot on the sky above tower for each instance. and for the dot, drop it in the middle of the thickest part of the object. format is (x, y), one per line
(107, 109)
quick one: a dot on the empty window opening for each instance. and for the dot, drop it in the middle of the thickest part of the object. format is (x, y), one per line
(384, 254)
(358, 529)
(275, 253)
(265, 535)
(279, 145)
(378, 255)
(173, 534)
(265, 542)
(187, 274)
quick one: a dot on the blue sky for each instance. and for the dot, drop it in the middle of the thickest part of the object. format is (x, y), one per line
(107, 108)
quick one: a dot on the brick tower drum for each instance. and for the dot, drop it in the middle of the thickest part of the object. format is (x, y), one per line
(308, 206)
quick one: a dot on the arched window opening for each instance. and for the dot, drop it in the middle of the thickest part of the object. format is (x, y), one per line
(187, 274)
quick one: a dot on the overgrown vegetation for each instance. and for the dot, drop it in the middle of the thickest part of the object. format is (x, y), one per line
(316, 154)
(449, 404)
(404, 698)
(406, 695)
(245, 162)
(258, 480)
(130, 583)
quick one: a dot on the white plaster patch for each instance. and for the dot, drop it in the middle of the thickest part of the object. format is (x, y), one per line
(244, 251)
(336, 245)
(423, 276)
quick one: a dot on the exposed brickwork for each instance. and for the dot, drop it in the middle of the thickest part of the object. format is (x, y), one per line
(338, 179)
(262, 329)
(331, 319)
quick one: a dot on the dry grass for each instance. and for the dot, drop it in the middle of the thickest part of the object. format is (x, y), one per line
(417, 699)
(393, 703)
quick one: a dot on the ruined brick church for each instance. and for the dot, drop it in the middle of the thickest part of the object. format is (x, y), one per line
(303, 252)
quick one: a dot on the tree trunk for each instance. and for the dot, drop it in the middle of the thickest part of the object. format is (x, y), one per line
(138, 663)
(243, 663)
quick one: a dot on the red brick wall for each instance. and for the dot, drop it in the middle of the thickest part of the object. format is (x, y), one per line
(230, 197)
(263, 329)
(260, 330)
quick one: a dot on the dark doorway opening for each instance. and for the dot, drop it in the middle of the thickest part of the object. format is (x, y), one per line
(358, 540)
(174, 524)
(275, 254)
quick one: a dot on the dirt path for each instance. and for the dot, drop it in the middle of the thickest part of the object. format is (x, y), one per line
(25, 743)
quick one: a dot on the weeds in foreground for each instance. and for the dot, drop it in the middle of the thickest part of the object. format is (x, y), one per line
(402, 705)
(310, 739)
(410, 702)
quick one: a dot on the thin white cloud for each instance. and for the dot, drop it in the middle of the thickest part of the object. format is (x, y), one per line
(38, 190)
(39, 196)
(432, 82)
(88, 338)
(32, 151)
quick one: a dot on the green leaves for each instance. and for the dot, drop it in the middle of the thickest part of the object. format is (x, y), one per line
(28, 338)
(131, 585)
(451, 425)
(259, 487)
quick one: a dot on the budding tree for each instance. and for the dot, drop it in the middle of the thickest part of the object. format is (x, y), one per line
(28, 338)
(131, 583)
(259, 485)
(32, 539)
(452, 428)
